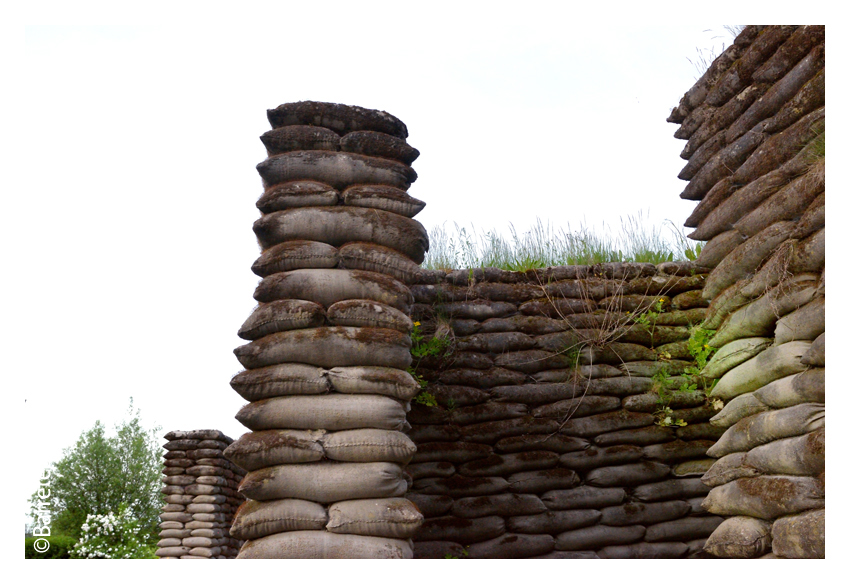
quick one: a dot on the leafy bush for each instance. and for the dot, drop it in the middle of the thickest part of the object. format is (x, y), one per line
(59, 548)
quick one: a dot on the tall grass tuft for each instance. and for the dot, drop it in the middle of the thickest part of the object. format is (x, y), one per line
(543, 245)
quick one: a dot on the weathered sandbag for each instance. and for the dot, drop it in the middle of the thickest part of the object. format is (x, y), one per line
(383, 197)
(670, 489)
(368, 313)
(785, 205)
(431, 505)
(378, 258)
(330, 412)
(615, 353)
(800, 536)
(299, 193)
(746, 258)
(457, 452)
(495, 342)
(583, 497)
(169, 542)
(806, 387)
(256, 450)
(677, 450)
(653, 368)
(339, 225)
(325, 482)
(511, 546)
(790, 53)
(478, 309)
(495, 465)
(329, 347)
(277, 380)
(718, 247)
(769, 365)
(734, 353)
(553, 522)
(725, 303)
(758, 319)
(594, 457)
(804, 324)
(627, 474)
(740, 537)
(256, 519)
(195, 435)
(430, 469)
(683, 529)
(645, 551)
(644, 513)
(290, 138)
(281, 315)
(486, 412)
(557, 307)
(368, 445)
(421, 433)
(503, 505)
(492, 432)
(172, 551)
(482, 379)
(533, 361)
(813, 219)
(323, 545)
(553, 442)
(539, 393)
(395, 518)
(801, 455)
(378, 144)
(597, 536)
(540, 481)
(295, 255)
(336, 116)
(461, 530)
(600, 423)
(395, 383)
(816, 355)
(439, 550)
(744, 405)
(766, 497)
(327, 287)
(638, 436)
(173, 533)
(809, 254)
(691, 468)
(577, 407)
(768, 426)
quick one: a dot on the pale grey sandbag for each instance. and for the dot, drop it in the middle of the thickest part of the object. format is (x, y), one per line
(295, 255)
(368, 445)
(387, 381)
(256, 450)
(330, 412)
(329, 347)
(801, 455)
(729, 468)
(281, 315)
(805, 323)
(361, 255)
(368, 313)
(800, 536)
(732, 354)
(731, 299)
(769, 365)
(300, 193)
(383, 197)
(325, 482)
(395, 518)
(800, 388)
(766, 497)
(758, 319)
(511, 546)
(324, 545)
(816, 355)
(740, 537)
(278, 380)
(739, 408)
(768, 426)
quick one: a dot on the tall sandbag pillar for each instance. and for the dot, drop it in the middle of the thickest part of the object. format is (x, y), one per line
(329, 342)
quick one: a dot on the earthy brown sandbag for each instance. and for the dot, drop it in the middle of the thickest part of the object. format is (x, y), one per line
(503, 505)
(438, 550)
(805, 323)
(368, 313)
(584, 497)
(295, 255)
(431, 505)
(495, 465)
(691, 468)
(430, 469)
(600, 423)
(645, 551)
(766, 497)
(461, 530)
(378, 258)
(595, 457)
(281, 315)
(732, 354)
(277, 380)
(387, 381)
(394, 518)
(746, 404)
(740, 537)
(541, 481)
(172, 551)
(801, 455)
(457, 452)
(323, 545)
(816, 355)
(511, 546)
(378, 144)
(813, 218)
(256, 519)
(670, 489)
(726, 302)
(482, 379)
(800, 536)
(773, 363)
(644, 513)
(486, 412)
(683, 529)
(492, 432)
(196, 435)
(553, 442)
(729, 468)
(336, 116)
(290, 138)
(329, 347)
(719, 247)
(327, 287)
(553, 522)
(459, 486)
(790, 53)
(539, 393)
(768, 426)
(637, 436)
(597, 536)
(299, 193)
(368, 445)
(329, 412)
(577, 407)
(478, 309)
(339, 225)
(676, 451)
(809, 254)
(627, 474)
(785, 205)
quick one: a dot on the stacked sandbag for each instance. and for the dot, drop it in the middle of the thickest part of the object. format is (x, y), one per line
(755, 125)
(201, 497)
(329, 342)
(549, 437)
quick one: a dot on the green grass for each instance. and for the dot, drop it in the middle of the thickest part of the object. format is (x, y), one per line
(543, 246)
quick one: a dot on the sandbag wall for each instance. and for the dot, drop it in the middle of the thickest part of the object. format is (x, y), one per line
(755, 126)
(329, 342)
(200, 497)
(549, 437)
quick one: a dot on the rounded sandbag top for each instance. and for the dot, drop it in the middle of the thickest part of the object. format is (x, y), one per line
(335, 116)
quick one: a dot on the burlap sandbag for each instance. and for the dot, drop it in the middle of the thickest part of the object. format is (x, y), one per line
(329, 347)
(718, 247)
(299, 193)
(804, 324)
(395, 383)
(330, 412)
(740, 537)
(791, 391)
(256, 519)
(361, 313)
(503, 505)
(744, 405)
(325, 482)
(644, 513)
(383, 197)
(277, 380)
(816, 355)
(512, 546)
(553, 522)
(683, 529)
(627, 474)
(734, 353)
(323, 545)
(395, 518)
(583, 497)
(256, 450)
(725, 303)
(766, 497)
(669, 489)
(371, 257)
(336, 116)
(769, 365)
(281, 315)
(768, 426)
(295, 255)
(291, 138)
(801, 455)
(592, 538)
(368, 445)
(800, 536)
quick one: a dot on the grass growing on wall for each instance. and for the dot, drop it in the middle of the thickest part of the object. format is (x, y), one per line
(543, 246)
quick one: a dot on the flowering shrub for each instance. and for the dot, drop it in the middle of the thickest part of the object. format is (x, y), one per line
(112, 536)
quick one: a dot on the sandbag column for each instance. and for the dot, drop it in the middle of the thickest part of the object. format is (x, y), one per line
(330, 340)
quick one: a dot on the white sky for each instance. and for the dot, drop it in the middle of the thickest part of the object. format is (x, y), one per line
(128, 223)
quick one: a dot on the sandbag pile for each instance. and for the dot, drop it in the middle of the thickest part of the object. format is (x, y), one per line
(200, 497)
(329, 342)
(549, 439)
(755, 125)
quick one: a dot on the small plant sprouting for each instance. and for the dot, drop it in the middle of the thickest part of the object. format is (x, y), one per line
(426, 399)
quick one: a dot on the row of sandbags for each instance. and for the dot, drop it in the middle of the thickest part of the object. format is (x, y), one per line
(325, 369)
(200, 497)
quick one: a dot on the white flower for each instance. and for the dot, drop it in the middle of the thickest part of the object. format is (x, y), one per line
(668, 420)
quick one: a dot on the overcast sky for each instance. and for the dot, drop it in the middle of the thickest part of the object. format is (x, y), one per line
(130, 223)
